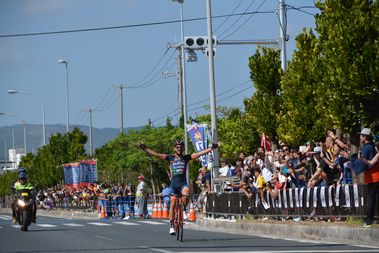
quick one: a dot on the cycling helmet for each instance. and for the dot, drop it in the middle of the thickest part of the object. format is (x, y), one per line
(22, 175)
(22, 169)
(178, 143)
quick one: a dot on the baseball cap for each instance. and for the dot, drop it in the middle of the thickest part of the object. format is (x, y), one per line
(365, 131)
(316, 150)
(141, 177)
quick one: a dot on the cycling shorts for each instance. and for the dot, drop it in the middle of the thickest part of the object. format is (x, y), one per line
(177, 185)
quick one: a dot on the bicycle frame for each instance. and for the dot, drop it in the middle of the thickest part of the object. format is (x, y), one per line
(178, 221)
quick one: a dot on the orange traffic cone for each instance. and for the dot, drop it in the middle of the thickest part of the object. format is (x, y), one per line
(165, 211)
(154, 214)
(192, 214)
(102, 212)
(159, 210)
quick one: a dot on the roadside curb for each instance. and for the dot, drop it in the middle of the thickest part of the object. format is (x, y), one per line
(314, 232)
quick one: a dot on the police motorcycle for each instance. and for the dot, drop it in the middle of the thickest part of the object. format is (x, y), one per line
(24, 208)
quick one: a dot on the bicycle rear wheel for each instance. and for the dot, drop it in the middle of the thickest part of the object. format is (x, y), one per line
(179, 227)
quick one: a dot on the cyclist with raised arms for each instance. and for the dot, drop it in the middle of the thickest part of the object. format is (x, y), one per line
(178, 167)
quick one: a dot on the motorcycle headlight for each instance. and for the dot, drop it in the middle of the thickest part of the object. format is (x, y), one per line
(20, 202)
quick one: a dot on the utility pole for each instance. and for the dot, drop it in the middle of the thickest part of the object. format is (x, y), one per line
(180, 79)
(90, 131)
(283, 33)
(121, 87)
(212, 91)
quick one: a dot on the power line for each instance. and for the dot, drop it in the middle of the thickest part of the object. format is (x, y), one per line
(156, 77)
(153, 69)
(162, 118)
(239, 27)
(223, 22)
(300, 9)
(127, 26)
(251, 4)
(102, 104)
(109, 106)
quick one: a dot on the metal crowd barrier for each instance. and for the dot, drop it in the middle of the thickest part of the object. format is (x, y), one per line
(338, 202)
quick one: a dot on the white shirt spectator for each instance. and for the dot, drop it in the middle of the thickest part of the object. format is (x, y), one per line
(266, 173)
(224, 171)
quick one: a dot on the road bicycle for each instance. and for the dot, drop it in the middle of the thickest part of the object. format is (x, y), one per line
(178, 221)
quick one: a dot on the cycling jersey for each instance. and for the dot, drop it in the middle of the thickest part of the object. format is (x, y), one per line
(178, 169)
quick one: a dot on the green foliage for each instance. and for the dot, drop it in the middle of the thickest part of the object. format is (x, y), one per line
(349, 38)
(263, 107)
(45, 168)
(303, 115)
(6, 181)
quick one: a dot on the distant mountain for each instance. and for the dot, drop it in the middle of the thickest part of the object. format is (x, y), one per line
(13, 136)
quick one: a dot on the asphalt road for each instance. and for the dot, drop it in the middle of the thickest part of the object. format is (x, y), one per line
(51, 234)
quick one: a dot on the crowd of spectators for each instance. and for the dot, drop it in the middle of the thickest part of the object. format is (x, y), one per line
(314, 164)
(88, 198)
(324, 163)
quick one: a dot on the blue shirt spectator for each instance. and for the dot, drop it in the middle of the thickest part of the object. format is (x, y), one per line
(166, 193)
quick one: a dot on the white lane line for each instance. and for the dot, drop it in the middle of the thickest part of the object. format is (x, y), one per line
(104, 238)
(151, 222)
(16, 226)
(99, 224)
(293, 251)
(46, 225)
(73, 224)
(5, 217)
(1, 227)
(125, 223)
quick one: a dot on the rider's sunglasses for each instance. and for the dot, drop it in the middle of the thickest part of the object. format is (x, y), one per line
(178, 147)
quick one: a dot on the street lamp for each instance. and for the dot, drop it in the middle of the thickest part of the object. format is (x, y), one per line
(43, 111)
(183, 81)
(23, 122)
(67, 106)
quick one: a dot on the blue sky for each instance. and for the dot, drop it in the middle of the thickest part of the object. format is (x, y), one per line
(98, 61)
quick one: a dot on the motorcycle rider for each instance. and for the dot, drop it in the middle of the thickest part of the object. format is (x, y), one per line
(22, 184)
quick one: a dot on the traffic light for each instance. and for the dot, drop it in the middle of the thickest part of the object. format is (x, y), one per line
(207, 52)
(198, 42)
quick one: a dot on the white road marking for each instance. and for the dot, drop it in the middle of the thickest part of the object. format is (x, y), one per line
(125, 223)
(46, 225)
(73, 224)
(16, 226)
(99, 224)
(151, 222)
(104, 238)
(5, 217)
(294, 251)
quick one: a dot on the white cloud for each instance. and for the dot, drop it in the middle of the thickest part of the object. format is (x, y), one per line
(43, 6)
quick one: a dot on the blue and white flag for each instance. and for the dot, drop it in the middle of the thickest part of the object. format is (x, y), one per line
(80, 173)
(198, 136)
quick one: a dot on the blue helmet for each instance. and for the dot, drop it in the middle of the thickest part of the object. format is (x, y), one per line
(22, 169)
(22, 175)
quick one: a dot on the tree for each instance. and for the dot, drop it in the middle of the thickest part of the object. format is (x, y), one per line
(264, 105)
(349, 37)
(303, 115)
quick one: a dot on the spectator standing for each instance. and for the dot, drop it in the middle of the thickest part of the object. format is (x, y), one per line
(205, 186)
(166, 194)
(130, 198)
(141, 198)
(371, 173)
